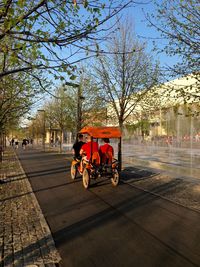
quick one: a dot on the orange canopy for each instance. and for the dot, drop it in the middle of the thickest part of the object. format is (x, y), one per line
(102, 132)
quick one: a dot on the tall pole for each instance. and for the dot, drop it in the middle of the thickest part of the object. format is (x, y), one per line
(80, 98)
(78, 125)
(79, 104)
(120, 154)
(44, 128)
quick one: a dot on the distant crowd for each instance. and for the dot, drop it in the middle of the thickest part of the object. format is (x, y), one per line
(175, 139)
(14, 142)
(167, 140)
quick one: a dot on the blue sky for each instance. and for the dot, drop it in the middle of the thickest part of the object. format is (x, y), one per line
(143, 30)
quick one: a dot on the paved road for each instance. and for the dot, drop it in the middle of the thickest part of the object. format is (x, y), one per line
(107, 226)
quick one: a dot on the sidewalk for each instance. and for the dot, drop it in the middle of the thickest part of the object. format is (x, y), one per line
(25, 238)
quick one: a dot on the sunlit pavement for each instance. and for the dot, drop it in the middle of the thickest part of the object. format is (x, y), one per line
(180, 161)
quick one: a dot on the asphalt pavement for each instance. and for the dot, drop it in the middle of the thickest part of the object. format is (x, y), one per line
(108, 226)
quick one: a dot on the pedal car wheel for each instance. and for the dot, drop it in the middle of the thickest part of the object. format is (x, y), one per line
(86, 179)
(73, 171)
(115, 178)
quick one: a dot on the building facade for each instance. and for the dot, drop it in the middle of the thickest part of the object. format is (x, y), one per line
(170, 111)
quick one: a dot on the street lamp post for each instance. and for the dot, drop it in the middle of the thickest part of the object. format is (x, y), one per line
(44, 129)
(80, 98)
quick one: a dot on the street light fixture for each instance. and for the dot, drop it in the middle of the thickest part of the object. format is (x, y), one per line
(44, 129)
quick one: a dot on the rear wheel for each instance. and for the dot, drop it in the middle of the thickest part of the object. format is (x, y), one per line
(115, 178)
(86, 178)
(73, 171)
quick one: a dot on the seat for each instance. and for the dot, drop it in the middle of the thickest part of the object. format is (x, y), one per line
(106, 158)
(96, 160)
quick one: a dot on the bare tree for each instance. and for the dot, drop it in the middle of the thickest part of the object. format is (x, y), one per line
(126, 73)
(92, 107)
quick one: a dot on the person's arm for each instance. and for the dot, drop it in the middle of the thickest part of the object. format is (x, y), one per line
(82, 152)
(74, 149)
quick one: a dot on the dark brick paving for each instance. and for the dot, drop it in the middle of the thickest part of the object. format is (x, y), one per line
(25, 238)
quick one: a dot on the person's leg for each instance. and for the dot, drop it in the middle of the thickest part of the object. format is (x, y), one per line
(83, 161)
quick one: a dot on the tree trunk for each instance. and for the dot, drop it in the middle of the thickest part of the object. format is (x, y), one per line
(61, 140)
(120, 145)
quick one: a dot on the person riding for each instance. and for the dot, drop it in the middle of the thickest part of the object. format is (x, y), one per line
(106, 152)
(77, 147)
(88, 150)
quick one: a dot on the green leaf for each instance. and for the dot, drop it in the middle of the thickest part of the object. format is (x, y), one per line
(85, 4)
(73, 77)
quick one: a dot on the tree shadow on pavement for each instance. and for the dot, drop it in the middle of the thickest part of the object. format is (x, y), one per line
(138, 200)
(133, 173)
(22, 176)
(37, 253)
(39, 190)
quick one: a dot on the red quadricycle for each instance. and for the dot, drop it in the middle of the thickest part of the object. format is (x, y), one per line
(99, 165)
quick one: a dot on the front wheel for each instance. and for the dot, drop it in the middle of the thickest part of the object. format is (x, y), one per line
(73, 171)
(115, 178)
(86, 178)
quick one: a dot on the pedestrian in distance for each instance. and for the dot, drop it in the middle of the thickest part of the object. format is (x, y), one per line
(12, 141)
(57, 141)
(31, 142)
(24, 143)
(16, 143)
(51, 141)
